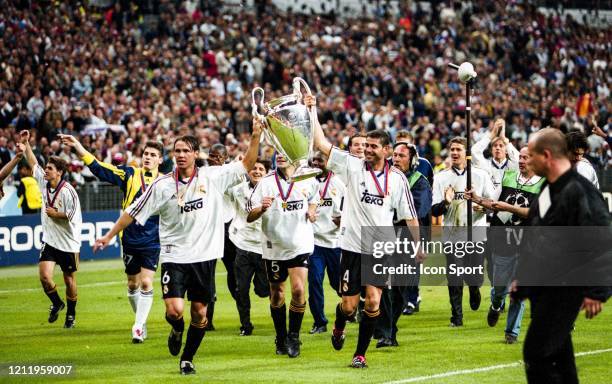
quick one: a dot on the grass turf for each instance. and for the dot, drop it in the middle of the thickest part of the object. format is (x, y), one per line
(100, 347)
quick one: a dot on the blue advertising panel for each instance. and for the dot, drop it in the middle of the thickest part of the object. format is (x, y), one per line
(21, 237)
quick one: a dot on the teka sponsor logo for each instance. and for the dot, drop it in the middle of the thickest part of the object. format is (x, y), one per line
(293, 206)
(193, 205)
(327, 202)
(369, 198)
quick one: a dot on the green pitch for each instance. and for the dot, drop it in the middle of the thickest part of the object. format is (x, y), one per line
(100, 347)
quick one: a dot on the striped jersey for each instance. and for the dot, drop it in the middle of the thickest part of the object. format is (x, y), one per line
(133, 182)
(193, 231)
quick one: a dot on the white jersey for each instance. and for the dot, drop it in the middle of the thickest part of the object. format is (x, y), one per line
(61, 234)
(194, 232)
(246, 236)
(286, 232)
(456, 214)
(585, 168)
(495, 169)
(331, 193)
(364, 205)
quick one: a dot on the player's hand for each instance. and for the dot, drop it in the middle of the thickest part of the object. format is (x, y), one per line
(420, 257)
(266, 203)
(51, 212)
(310, 101)
(257, 126)
(479, 208)
(68, 140)
(499, 128)
(24, 136)
(101, 243)
(501, 206)
(591, 307)
(449, 194)
(312, 216)
(470, 195)
(19, 150)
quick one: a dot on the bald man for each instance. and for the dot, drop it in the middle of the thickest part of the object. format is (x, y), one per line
(567, 199)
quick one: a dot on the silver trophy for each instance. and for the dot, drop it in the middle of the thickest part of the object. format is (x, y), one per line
(288, 127)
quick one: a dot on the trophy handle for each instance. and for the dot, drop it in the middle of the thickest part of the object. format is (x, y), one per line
(297, 83)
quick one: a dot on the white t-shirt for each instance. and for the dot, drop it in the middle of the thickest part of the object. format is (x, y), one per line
(286, 232)
(61, 234)
(585, 168)
(195, 232)
(456, 214)
(326, 232)
(246, 236)
(364, 206)
(496, 170)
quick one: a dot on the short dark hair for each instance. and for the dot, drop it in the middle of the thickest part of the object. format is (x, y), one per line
(380, 135)
(350, 140)
(458, 140)
(266, 163)
(576, 140)
(155, 145)
(190, 140)
(60, 164)
(553, 140)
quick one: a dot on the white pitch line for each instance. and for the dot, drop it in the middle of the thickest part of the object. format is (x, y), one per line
(482, 369)
(101, 284)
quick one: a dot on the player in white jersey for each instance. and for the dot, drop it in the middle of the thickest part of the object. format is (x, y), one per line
(577, 145)
(374, 191)
(287, 210)
(189, 202)
(449, 200)
(326, 254)
(247, 239)
(61, 222)
(504, 155)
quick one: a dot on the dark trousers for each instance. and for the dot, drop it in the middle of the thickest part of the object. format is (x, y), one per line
(229, 257)
(320, 259)
(548, 352)
(249, 267)
(391, 305)
(455, 282)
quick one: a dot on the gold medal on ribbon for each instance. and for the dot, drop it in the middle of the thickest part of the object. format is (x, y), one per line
(284, 205)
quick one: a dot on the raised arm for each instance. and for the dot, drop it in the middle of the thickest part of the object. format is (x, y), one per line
(29, 155)
(103, 171)
(320, 141)
(8, 167)
(251, 155)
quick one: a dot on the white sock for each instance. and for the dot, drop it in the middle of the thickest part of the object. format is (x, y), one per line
(134, 297)
(144, 306)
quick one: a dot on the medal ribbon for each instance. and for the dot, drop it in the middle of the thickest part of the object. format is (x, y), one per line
(378, 187)
(176, 182)
(50, 201)
(322, 194)
(143, 186)
(280, 190)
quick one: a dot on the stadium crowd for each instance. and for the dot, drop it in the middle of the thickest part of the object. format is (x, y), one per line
(116, 81)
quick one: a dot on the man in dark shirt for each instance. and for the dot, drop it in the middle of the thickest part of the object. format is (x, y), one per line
(567, 200)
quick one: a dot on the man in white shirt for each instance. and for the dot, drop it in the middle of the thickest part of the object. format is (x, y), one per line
(577, 145)
(326, 253)
(287, 210)
(504, 155)
(189, 202)
(246, 237)
(374, 191)
(449, 200)
(61, 222)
